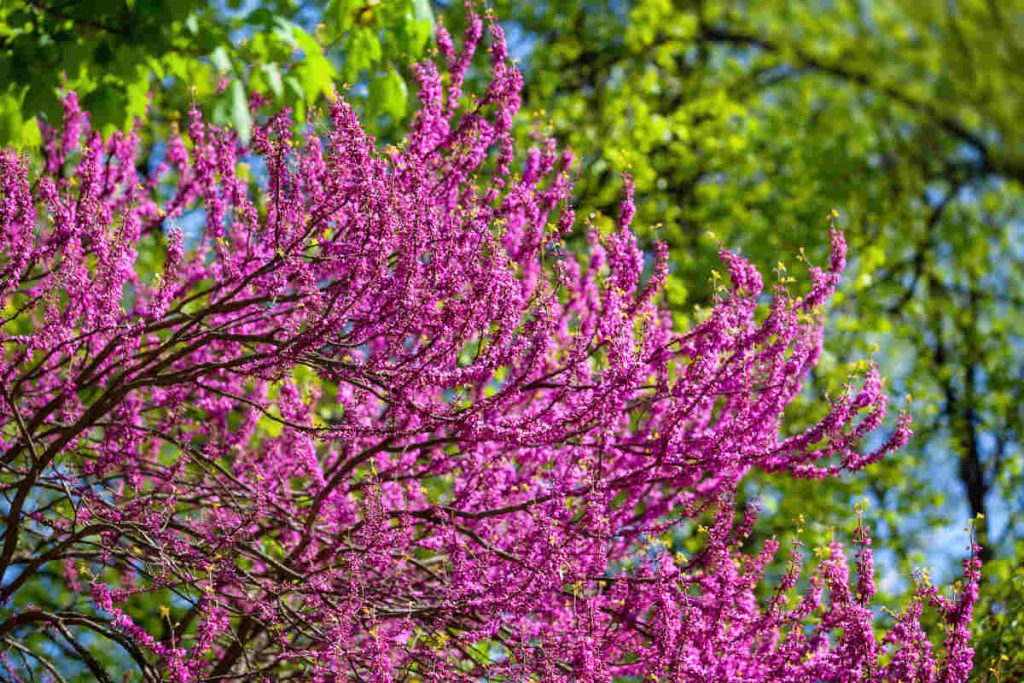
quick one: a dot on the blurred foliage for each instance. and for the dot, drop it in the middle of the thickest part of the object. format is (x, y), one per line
(1000, 621)
(123, 56)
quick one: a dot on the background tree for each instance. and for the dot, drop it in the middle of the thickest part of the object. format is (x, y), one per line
(124, 57)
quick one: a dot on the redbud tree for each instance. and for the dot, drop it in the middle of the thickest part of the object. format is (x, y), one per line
(373, 422)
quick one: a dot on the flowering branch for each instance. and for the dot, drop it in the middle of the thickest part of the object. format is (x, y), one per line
(365, 425)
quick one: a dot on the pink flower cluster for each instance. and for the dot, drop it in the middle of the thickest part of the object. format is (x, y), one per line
(373, 423)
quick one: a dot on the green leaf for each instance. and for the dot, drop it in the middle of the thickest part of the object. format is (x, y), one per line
(421, 10)
(220, 59)
(273, 75)
(389, 95)
(107, 106)
(316, 72)
(418, 34)
(137, 97)
(240, 117)
(364, 53)
(339, 18)
(29, 135)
